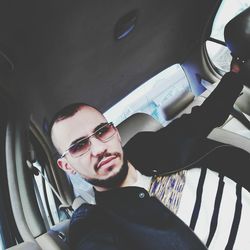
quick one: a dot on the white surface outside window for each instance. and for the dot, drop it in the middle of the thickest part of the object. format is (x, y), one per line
(150, 96)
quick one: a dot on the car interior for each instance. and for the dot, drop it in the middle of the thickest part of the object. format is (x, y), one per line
(54, 53)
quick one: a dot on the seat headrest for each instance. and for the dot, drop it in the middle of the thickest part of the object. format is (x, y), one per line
(136, 123)
(178, 104)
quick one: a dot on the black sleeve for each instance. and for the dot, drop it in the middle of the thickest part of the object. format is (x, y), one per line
(212, 113)
(90, 231)
(176, 145)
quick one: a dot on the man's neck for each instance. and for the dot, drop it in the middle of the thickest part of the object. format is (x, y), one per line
(131, 176)
(130, 179)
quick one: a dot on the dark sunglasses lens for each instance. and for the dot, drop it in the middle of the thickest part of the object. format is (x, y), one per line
(79, 148)
(106, 132)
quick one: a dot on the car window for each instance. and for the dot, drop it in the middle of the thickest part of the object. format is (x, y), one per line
(219, 54)
(150, 98)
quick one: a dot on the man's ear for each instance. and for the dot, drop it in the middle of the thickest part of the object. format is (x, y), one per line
(64, 165)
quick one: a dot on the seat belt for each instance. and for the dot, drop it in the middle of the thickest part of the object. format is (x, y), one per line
(40, 204)
(64, 206)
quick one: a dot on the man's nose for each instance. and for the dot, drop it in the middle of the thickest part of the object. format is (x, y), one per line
(97, 146)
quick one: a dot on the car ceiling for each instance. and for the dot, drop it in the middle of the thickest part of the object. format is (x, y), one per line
(57, 52)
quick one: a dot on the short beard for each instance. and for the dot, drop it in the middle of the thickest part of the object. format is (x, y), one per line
(113, 181)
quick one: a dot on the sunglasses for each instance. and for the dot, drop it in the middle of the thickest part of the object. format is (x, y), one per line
(83, 145)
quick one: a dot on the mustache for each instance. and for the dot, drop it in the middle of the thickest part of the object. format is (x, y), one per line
(104, 155)
(113, 181)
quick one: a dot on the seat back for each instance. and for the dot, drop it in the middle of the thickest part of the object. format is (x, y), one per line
(136, 123)
(229, 137)
(27, 245)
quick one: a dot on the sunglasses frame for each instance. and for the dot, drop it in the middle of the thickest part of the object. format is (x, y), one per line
(87, 138)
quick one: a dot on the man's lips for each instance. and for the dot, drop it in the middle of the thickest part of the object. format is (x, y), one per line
(105, 161)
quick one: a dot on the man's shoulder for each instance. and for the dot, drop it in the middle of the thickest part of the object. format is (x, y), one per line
(84, 212)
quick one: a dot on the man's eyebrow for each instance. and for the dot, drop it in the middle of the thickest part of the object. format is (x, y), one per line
(77, 140)
(99, 126)
(82, 138)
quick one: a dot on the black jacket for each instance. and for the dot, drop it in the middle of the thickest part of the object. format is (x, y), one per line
(127, 218)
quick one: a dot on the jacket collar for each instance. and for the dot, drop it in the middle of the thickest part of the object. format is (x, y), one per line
(120, 196)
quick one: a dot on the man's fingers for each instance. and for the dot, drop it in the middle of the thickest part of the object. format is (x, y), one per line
(235, 68)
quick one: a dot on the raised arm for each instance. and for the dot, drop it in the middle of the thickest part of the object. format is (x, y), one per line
(173, 146)
(214, 110)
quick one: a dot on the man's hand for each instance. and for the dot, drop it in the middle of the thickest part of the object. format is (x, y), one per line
(242, 67)
(235, 66)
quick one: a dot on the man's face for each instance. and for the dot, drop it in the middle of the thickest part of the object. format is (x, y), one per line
(103, 161)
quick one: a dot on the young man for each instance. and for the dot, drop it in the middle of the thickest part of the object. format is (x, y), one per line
(149, 193)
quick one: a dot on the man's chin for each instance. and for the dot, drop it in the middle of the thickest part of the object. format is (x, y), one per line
(113, 181)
